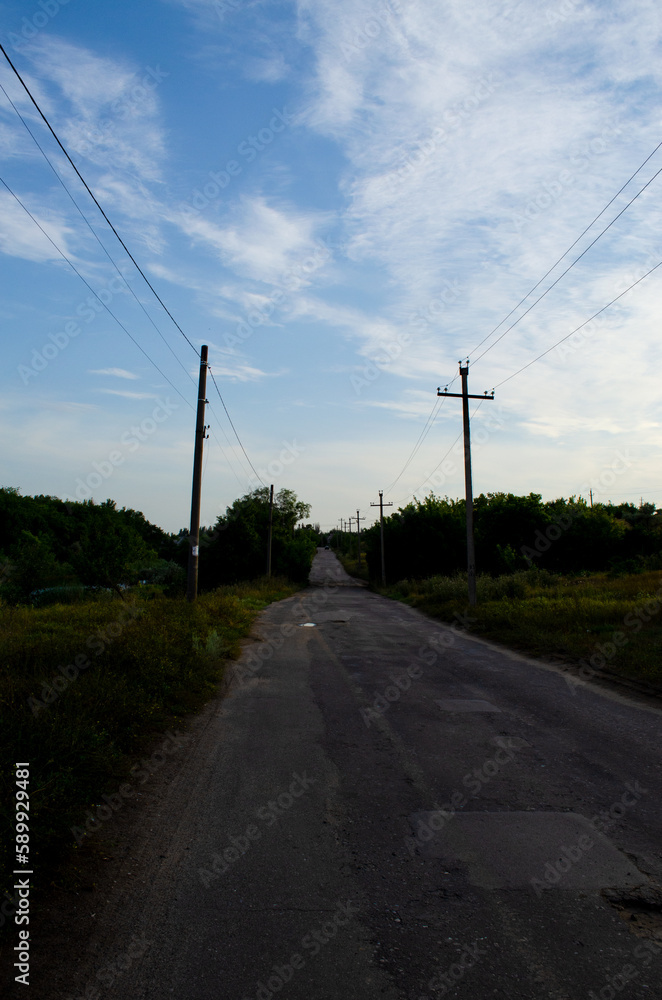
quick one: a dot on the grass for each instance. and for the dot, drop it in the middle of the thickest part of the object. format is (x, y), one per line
(610, 623)
(351, 565)
(150, 661)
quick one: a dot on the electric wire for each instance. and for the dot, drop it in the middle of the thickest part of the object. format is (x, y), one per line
(231, 447)
(580, 327)
(234, 428)
(571, 247)
(87, 285)
(94, 199)
(427, 479)
(421, 437)
(93, 231)
(563, 273)
(122, 243)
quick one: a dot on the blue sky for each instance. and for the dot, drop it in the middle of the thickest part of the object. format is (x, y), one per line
(342, 199)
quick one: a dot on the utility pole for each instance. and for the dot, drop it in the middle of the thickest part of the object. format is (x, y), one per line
(381, 506)
(271, 524)
(591, 492)
(194, 535)
(465, 396)
(358, 533)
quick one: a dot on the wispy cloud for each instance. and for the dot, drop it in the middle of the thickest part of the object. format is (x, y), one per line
(128, 395)
(116, 372)
(21, 237)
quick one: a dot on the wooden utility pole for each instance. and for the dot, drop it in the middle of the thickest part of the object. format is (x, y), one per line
(358, 534)
(381, 506)
(194, 535)
(271, 525)
(465, 396)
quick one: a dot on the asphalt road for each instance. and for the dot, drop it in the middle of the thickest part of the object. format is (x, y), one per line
(383, 807)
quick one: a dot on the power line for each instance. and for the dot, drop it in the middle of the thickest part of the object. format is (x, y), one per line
(580, 327)
(123, 244)
(571, 247)
(235, 429)
(94, 199)
(441, 462)
(87, 285)
(570, 266)
(421, 437)
(93, 231)
(231, 447)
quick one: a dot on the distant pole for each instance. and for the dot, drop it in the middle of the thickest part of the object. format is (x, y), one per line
(194, 535)
(271, 525)
(358, 534)
(591, 492)
(471, 549)
(381, 506)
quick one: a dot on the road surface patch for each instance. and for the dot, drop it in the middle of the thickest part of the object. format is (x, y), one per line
(466, 705)
(538, 850)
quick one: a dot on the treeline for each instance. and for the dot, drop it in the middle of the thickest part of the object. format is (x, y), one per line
(428, 537)
(52, 549)
(235, 548)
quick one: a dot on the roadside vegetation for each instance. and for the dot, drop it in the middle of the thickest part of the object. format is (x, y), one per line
(596, 622)
(100, 652)
(556, 579)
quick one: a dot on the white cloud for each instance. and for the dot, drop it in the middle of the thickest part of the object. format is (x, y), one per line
(128, 395)
(259, 240)
(21, 237)
(112, 118)
(116, 372)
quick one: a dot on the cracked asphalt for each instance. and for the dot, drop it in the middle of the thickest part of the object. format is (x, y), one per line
(383, 807)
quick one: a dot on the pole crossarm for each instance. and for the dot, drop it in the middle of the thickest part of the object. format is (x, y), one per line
(461, 395)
